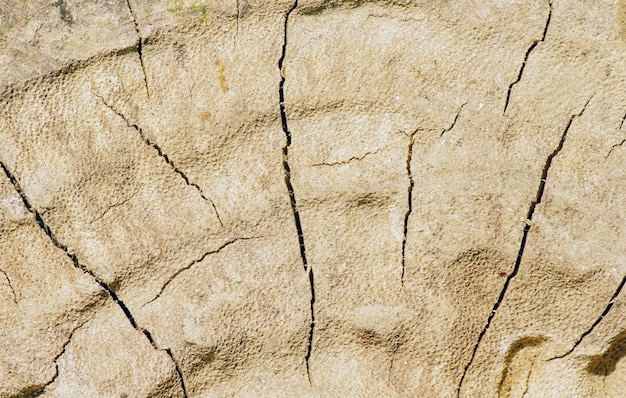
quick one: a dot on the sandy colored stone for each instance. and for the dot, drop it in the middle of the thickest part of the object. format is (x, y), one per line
(313, 198)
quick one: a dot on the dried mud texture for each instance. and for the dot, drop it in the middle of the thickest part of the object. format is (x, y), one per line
(312, 198)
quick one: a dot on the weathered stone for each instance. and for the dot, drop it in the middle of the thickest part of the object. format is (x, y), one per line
(312, 198)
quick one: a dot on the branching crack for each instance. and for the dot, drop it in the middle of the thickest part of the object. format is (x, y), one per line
(39, 389)
(196, 261)
(411, 186)
(6, 276)
(530, 49)
(169, 353)
(353, 158)
(292, 197)
(40, 221)
(520, 253)
(139, 46)
(604, 313)
(162, 155)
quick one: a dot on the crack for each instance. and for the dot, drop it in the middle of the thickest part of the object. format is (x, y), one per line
(114, 205)
(292, 197)
(411, 186)
(196, 261)
(169, 353)
(139, 46)
(238, 16)
(456, 118)
(613, 148)
(366, 154)
(39, 389)
(604, 313)
(60, 354)
(520, 253)
(528, 51)
(6, 276)
(622, 122)
(42, 224)
(162, 155)
(409, 210)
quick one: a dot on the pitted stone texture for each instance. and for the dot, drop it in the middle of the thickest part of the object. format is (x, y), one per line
(455, 169)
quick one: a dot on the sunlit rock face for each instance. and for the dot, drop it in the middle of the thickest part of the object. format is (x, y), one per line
(315, 198)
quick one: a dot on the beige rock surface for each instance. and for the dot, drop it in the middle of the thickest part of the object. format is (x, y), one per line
(316, 198)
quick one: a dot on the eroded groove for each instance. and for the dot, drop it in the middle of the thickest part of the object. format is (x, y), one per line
(604, 313)
(528, 51)
(520, 253)
(139, 47)
(163, 155)
(196, 261)
(6, 276)
(74, 259)
(292, 197)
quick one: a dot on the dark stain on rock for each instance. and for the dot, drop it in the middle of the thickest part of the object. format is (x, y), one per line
(66, 15)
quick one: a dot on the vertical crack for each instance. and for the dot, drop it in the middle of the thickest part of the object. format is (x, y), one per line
(411, 186)
(42, 224)
(139, 46)
(163, 155)
(520, 253)
(604, 313)
(292, 197)
(6, 276)
(409, 210)
(528, 51)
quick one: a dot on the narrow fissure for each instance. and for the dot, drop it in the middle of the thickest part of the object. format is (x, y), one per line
(196, 261)
(292, 197)
(520, 253)
(528, 51)
(139, 47)
(6, 276)
(604, 313)
(74, 259)
(409, 210)
(164, 156)
(411, 186)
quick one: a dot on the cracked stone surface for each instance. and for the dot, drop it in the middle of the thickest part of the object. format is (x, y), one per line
(314, 198)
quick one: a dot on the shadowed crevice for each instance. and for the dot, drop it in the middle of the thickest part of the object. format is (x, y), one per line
(520, 253)
(292, 197)
(525, 61)
(42, 224)
(139, 46)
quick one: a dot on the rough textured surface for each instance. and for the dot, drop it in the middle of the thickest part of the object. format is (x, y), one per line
(315, 198)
